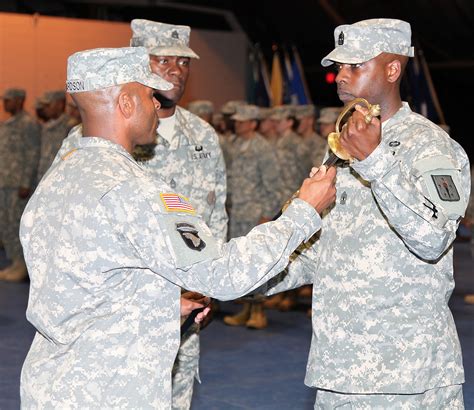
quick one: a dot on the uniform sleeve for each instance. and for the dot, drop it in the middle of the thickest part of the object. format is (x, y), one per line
(415, 204)
(236, 269)
(31, 149)
(218, 220)
(299, 272)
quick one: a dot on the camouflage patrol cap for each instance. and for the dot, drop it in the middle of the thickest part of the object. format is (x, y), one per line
(50, 96)
(246, 112)
(201, 107)
(328, 115)
(282, 112)
(302, 111)
(11, 93)
(230, 107)
(162, 39)
(360, 42)
(100, 68)
(264, 113)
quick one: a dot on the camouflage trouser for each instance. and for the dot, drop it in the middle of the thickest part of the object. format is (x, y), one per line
(448, 397)
(186, 367)
(11, 208)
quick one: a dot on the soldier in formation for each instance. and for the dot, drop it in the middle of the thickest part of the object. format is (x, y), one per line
(54, 130)
(19, 152)
(254, 173)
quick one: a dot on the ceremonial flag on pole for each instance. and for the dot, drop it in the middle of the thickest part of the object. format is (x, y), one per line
(264, 92)
(258, 79)
(299, 85)
(276, 83)
(289, 96)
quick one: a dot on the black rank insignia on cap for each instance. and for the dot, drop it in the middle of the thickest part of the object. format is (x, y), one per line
(190, 236)
(340, 40)
(175, 34)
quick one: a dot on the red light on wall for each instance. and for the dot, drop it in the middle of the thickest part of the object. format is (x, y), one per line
(330, 77)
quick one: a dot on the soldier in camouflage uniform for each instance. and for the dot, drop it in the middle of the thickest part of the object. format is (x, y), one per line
(254, 174)
(314, 147)
(108, 248)
(382, 271)
(267, 125)
(188, 157)
(327, 120)
(54, 130)
(228, 139)
(19, 151)
(267, 128)
(204, 109)
(287, 146)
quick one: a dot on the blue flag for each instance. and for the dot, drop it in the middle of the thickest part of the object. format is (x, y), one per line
(258, 83)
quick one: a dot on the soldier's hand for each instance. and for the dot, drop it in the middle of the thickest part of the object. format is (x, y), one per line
(191, 301)
(358, 138)
(23, 192)
(319, 190)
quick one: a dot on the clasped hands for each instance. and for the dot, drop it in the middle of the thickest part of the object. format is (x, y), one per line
(360, 137)
(194, 300)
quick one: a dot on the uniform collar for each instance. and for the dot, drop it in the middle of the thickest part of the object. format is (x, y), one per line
(15, 118)
(402, 113)
(97, 142)
(182, 132)
(52, 123)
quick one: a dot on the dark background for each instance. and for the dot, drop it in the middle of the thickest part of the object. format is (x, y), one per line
(444, 30)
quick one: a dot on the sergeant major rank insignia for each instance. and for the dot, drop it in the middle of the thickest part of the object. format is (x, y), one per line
(340, 40)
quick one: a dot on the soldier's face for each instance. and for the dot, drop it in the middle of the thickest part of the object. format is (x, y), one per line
(326, 129)
(267, 125)
(245, 127)
(146, 115)
(10, 105)
(283, 125)
(365, 80)
(305, 124)
(172, 69)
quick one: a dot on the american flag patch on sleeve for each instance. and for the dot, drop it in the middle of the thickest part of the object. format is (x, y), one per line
(177, 203)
